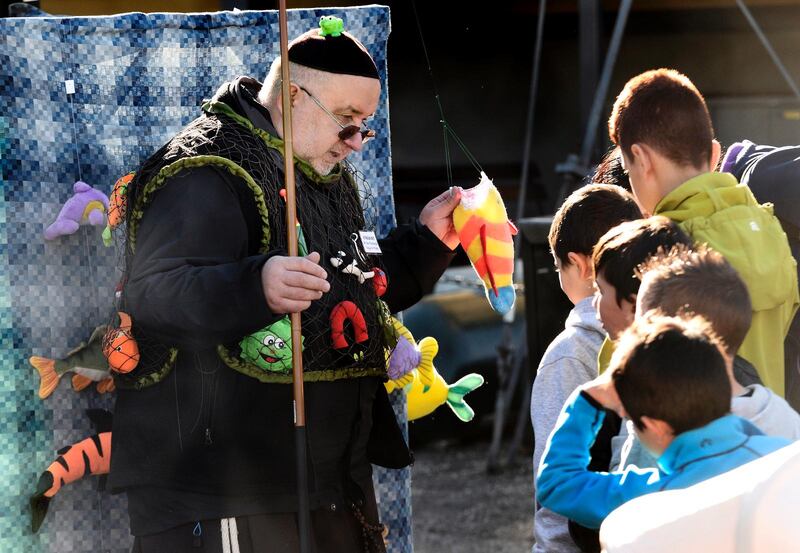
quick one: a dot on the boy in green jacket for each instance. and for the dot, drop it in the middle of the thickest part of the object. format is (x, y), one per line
(661, 124)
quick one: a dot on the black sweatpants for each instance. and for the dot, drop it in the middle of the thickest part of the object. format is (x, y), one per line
(332, 531)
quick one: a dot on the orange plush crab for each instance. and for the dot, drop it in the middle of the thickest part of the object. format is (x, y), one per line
(120, 347)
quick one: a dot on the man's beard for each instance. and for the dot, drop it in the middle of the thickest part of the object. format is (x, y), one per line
(323, 168)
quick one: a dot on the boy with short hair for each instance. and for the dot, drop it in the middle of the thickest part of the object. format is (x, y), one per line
(614, 260)
(701, 282)
(570, 360)
(661, 124)
(668, 375)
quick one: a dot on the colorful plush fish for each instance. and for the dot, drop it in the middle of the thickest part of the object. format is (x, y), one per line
(86, 362)
(87, 206)
(270, 349)
(425, 388)
(486, 234)
(91, 455)
(120, 347)
(117, 206)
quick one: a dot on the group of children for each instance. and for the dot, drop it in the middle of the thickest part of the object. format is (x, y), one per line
(670, 369)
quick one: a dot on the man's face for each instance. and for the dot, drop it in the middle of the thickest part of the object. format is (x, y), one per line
(351, 99)
(616, 317)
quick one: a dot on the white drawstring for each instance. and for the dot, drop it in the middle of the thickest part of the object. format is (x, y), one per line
(230, 535)
(234, 535)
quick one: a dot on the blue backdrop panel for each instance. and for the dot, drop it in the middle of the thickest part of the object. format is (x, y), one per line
(138, 79)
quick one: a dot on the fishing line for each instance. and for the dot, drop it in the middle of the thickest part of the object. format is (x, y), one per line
(94, 299)
(447, 131)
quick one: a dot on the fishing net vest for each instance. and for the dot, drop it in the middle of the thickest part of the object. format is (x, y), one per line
(346, 333)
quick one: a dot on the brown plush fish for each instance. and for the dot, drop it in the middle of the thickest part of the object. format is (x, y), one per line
(86, 362)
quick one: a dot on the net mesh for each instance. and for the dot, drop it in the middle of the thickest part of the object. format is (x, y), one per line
(346, 333)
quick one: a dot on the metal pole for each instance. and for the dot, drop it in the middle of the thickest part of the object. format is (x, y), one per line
(589, 31)
(303, 513)
(526, 152)
(771, 51)
(590, 135)
(506, 347)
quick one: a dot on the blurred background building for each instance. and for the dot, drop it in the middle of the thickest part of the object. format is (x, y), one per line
(482, 60)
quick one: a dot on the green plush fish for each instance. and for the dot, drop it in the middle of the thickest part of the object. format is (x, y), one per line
(270, 349)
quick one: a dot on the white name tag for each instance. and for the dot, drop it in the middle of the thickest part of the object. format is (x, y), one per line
(369, 241)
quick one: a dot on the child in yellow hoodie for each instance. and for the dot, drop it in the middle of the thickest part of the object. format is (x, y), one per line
(661, 124)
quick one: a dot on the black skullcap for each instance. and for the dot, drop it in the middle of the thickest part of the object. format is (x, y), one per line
(332, 50)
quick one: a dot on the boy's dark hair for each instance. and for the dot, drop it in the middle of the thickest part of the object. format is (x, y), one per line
(586, 215)
(699, 281)
(671, 369)
(663, 109)
(622, 249)
(610, 170)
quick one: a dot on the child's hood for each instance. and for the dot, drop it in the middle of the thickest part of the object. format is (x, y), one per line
(715, 209)
(769, 412)
(584, 316)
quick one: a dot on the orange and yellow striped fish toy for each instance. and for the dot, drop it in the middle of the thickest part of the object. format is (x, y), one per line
(486, 234)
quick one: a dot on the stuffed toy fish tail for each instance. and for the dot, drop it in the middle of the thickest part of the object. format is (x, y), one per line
(486, 234)
(425, 388)
(47, 375)
(456, 393)
(91, 455)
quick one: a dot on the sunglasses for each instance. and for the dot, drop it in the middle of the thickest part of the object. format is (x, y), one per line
(348, 131)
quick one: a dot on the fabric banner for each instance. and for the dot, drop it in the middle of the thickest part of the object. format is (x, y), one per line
(89, 98)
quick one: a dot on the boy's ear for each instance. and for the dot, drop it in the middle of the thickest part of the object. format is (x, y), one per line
(643, 156)
(658, 429)
(583, 263)
(632, 304)
(716, 153)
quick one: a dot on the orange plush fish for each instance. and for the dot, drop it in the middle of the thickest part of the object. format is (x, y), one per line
(486, 234)
(120, 347)
(117, 206)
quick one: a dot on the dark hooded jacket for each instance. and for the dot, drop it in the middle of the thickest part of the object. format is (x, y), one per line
(207, 441)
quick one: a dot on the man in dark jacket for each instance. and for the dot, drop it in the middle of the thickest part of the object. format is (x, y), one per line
(203, 432)
(772, 173)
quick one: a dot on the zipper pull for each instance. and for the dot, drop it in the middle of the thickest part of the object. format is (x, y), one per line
(197, 533)
(209, 441)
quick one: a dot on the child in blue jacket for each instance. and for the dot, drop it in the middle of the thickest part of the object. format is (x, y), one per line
(668, 376)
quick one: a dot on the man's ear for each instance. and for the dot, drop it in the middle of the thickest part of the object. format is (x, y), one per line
(716, 153)
(583, 263)
(294, 90)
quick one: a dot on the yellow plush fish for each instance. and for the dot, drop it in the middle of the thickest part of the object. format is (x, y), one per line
(486, 234)
(425, 388)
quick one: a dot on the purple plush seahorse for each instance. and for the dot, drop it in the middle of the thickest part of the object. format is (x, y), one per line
(86, 206)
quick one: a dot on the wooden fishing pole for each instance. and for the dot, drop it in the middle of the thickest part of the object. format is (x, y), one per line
(303, 513)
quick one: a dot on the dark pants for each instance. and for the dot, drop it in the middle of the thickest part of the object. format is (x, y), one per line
(333, 530)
